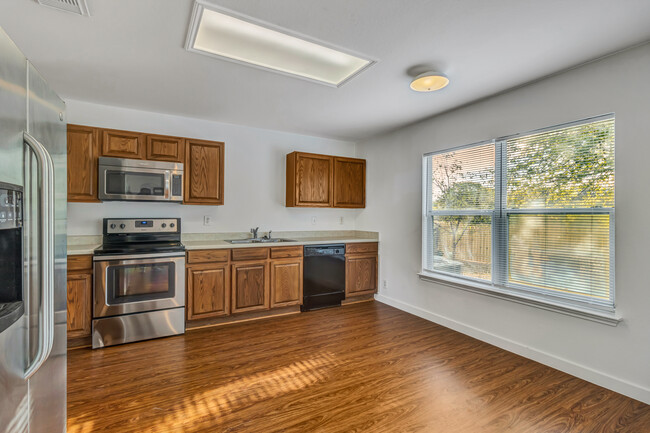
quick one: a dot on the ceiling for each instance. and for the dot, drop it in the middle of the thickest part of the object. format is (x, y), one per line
(131, 54)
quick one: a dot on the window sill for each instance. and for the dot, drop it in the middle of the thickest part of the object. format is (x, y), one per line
(603, 317)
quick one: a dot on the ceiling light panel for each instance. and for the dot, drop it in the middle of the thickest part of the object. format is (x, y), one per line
(226, 35)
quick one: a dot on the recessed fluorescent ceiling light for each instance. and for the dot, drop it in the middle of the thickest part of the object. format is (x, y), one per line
(219, 33)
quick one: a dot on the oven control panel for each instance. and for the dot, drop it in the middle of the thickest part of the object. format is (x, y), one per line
(142, 225)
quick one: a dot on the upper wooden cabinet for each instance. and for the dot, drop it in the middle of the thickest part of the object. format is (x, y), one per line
(309, 180)
(123, 144)
(325, 181)
(83, 151)
(349, 182)
(164, 148)
(203, 161)
(204, 172)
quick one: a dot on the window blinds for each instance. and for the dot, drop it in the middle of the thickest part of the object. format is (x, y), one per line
(532, 212)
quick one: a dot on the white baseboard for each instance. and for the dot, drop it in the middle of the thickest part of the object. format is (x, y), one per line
(590, 375)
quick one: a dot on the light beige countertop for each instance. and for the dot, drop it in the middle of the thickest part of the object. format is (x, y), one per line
(79, 245)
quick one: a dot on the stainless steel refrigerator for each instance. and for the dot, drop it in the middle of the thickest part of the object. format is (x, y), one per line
(32, 248)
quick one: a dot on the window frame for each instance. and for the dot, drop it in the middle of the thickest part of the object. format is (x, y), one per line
(594, 309)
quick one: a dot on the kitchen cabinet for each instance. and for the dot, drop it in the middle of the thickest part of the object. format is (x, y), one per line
(349, 182)
(314, 180)
(309, 180)
(83, 153)
(79, 296)
(286, 282)
(208, 291)
(123, 144)
(203, 181)
(165, 148)
(250, 286)
(361, 260)
(204, 172)
(286, 276)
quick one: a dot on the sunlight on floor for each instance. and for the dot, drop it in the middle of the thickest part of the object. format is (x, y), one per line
(83, 427)
(213, 405)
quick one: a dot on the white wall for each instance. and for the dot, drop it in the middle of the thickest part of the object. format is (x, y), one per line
(614, 357)
(254, 175)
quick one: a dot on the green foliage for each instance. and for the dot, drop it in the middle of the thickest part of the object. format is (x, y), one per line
(570, 168)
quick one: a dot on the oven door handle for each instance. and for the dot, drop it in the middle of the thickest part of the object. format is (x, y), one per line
(46, 229)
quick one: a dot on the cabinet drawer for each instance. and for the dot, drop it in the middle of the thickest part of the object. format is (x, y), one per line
(285, 252)
(205, 256)
(362, 248)
(250, 254)
(80, 263)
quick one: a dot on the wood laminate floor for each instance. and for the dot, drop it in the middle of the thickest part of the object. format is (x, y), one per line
(359, 368)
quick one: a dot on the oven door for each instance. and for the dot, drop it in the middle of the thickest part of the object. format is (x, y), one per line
(138, 184)
(137, 283)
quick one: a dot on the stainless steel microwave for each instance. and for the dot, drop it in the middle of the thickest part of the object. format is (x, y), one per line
(140, 180)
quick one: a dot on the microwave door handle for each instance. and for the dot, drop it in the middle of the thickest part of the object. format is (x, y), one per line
(168, 188)
(46, 229)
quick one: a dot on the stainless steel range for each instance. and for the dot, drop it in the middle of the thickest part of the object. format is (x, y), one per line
(139, 289)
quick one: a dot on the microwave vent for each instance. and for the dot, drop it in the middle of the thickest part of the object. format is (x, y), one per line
(79, 7)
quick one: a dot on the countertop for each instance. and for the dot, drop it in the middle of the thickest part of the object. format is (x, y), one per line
(80, 245)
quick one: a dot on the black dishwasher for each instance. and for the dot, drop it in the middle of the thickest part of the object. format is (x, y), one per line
(323, 276)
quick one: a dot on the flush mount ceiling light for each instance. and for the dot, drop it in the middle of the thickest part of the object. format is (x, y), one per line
(429, 82)
(234, 37)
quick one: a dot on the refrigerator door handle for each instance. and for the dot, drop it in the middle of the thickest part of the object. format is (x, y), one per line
(46, 228)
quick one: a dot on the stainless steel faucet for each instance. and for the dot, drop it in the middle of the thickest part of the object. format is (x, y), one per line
(254, 232)
(268, 235)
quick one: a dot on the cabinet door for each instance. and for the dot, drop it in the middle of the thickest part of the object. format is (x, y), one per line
(204, 172)
(123, 144)
(250, 286)
(360, 275)
(313, 180)
(349, 182)
(79, 304)
(286, 282)
(163, 148)
(208, 291)
(83, 151)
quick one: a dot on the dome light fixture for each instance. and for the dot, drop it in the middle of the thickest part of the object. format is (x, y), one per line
(429, 82)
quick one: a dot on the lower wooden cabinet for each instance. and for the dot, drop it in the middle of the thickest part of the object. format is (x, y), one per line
(286, 282)
(79, 296)
(250, 286)
(208, 291)
(361, 262)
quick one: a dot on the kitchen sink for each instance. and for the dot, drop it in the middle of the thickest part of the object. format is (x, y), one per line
(258, 241)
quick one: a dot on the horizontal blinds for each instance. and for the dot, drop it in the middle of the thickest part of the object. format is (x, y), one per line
(462, 203)
(538, 218)
(567, 254)
(463, 178)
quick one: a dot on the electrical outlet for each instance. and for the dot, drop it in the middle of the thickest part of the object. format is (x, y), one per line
(385, 284)
(341, 220)
(207, 220)
(313, 220)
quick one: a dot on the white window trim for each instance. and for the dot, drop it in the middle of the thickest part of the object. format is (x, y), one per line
(487, 289)
(584, 310)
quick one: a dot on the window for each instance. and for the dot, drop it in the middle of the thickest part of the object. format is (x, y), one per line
(529, 214)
